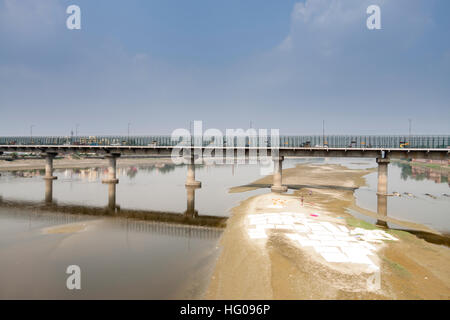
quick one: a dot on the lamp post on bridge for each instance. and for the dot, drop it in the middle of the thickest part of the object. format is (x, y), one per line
(323, 133)
(409, 138)
(190, 132)
(128, 133)
(31, 133)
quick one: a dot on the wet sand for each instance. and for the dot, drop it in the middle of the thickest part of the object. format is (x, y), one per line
(68, 228)
(279, 268)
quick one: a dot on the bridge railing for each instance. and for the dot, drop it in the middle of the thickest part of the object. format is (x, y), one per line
(331, 141)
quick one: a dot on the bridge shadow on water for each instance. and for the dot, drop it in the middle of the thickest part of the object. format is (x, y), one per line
(440, 239)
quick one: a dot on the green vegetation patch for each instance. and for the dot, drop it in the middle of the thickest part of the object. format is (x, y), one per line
(397, 268)
(357, 223)
(405, 235)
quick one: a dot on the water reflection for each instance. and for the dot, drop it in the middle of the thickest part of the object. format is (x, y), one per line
(141, 215)
(93, 174)
(420, 173)
(132, 172)
(48, 190)
(112, 196)
(190, 195)
(159, 186)
(382, 210)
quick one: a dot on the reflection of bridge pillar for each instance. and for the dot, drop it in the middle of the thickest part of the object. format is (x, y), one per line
(190, 181)
(190, 209)
(49, 156)
(112, 179)
(382, 191)
(112, 195)
(382, 210)
(277, 175)
(49, 190)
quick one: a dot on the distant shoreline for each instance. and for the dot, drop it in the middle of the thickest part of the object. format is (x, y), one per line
(38, 164)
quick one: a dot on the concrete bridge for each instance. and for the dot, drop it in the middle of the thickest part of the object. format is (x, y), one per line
(382, 148)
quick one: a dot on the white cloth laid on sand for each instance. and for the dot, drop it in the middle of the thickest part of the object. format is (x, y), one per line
(333, 242)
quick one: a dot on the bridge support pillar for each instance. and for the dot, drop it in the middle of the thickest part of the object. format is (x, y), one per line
(49, 156)
(277, 175)
(190, 181)
(112, 163)
(382, 175)
(382, 191)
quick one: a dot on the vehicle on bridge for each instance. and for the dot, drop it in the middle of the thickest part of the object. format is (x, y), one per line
(306, 144)
(404, 144)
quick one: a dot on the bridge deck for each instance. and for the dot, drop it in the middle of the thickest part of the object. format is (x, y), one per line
(429, 153)
(331, 141)
(428, 147)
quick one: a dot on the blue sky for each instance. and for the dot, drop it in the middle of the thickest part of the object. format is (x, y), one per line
(280, 64)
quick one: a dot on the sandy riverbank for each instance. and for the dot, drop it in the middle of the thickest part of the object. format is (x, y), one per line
(36, 164)
(278, 247)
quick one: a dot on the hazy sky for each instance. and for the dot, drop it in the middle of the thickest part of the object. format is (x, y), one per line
(281, 64)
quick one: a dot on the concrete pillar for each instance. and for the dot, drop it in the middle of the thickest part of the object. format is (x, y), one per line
(381, 211)
(49, 156)
(49, 190)
(277, 175)
(190, 209)
(112, 162)
(382, 175)
(190, 180)
(382, 191)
